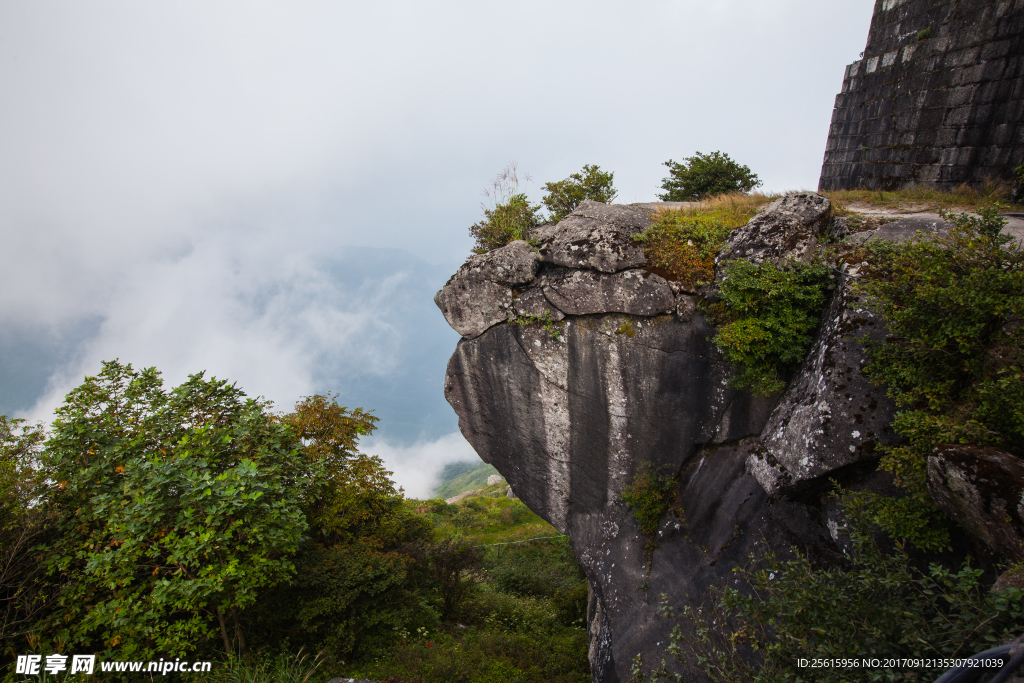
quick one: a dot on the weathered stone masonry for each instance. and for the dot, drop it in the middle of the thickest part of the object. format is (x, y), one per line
(937, 98)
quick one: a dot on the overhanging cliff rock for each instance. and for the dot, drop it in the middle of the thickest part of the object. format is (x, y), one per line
(578, 365)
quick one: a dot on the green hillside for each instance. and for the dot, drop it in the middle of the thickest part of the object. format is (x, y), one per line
(458, 477)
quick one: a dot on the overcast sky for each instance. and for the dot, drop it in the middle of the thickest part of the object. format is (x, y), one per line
(273, 192)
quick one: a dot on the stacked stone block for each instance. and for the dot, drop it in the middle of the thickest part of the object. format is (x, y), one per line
(937, 98)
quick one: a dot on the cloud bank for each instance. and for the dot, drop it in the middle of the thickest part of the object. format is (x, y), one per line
(272, 192)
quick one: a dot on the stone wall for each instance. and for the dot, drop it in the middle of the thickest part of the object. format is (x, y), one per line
(937, 98)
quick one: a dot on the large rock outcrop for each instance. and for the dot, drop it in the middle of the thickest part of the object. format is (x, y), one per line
(623, 372)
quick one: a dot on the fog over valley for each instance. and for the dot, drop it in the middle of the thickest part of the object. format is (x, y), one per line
(273, 192)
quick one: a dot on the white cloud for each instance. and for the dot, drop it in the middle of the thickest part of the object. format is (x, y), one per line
(416, 467)
(189, 177)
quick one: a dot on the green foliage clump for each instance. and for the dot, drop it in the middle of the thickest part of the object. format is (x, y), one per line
(924, 34)
(346, 600)
(541, 570)
(954, 359)
(511, 218)
(355, 579)
(766, 316)
(881, 605)
(27, 591)
(683, 246)
(176, 507)
(564, 196)
(649, 495)
(705, 175)
(454, 563)
(552, 327)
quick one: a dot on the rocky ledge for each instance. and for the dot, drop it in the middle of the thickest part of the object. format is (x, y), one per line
(578, 364)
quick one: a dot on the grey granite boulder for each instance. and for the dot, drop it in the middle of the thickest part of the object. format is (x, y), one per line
(596, 236)
(514, 264)
(479, 295)
(906, 228)
(637, 292)
(785, 230)
(982, 489)
(830, 415)
(472, 306)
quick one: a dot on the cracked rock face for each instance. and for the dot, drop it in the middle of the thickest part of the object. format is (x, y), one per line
(567, 420)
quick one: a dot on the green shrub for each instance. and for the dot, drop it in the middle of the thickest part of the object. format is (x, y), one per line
(511, 218)
(508, 221)
(347, 601)
(880, 606)
(26, 591)
(186, 501)
(507, 612)
(704, 175)
(564, 196)
(283, 668)
(571, 604)
(455, 566)
(953, 360)
(766, 316)
(539, 569)
(683, 246)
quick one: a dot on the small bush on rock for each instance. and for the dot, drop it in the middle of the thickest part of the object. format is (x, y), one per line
(649, 496)
(766, 316)
(705, 175)
(564, 196)
(683, 247)
(512, 217)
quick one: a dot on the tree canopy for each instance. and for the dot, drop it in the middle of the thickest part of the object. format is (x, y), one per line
(705, 175)
(564, 196)
(177, 508)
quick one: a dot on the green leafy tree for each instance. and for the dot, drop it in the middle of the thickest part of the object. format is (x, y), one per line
(25, 591)
(511, 218)
(177, 507)
(564, 196)
(355, 582)
(705, 175)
